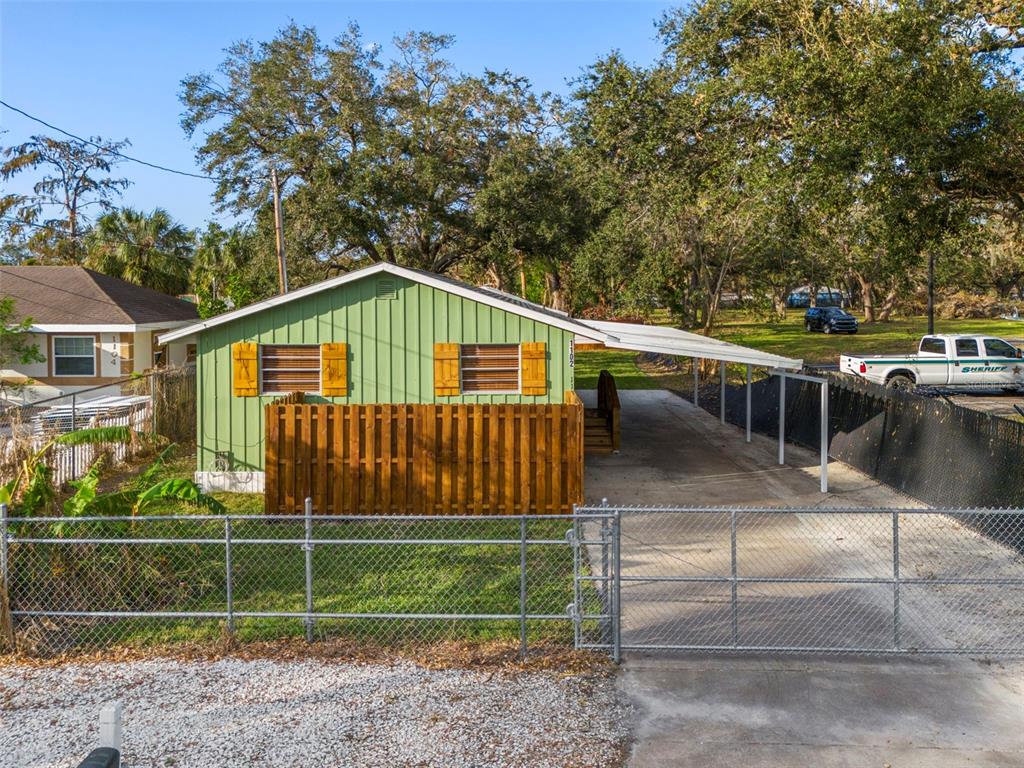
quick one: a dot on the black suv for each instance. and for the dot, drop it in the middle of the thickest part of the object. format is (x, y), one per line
(830, 320)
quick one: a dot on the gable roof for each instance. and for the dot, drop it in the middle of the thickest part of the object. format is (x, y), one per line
(442, 283)
(80, 296)
(649, 338)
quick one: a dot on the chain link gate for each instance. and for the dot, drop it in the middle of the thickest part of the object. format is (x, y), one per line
(778, 580)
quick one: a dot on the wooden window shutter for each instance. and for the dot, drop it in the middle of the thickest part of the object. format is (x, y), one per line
(535, 368)
(446, 370)
(334, 370)
(244, 369)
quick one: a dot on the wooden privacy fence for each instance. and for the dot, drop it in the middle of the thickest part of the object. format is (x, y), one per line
(424, 459)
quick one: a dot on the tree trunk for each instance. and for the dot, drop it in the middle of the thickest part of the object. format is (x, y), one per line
(779, 303)
(522, 277)
(888, 305)
(556, 296)
(496, 276)
(867, 290)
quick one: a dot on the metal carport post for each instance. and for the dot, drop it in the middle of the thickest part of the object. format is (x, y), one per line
(783, 375)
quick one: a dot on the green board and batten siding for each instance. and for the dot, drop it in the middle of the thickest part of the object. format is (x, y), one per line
(391, 355)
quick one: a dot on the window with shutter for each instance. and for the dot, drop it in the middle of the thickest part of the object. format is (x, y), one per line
(334, 370)
(244, 373)
(446, 370)
(490, 368)
(287, 368)
(535, 368)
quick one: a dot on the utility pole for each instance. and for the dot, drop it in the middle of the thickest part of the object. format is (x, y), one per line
(931, 292)
(282, 265)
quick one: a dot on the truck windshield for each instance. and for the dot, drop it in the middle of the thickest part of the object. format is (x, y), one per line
(966, 348)
(933, 346)
(999, 348)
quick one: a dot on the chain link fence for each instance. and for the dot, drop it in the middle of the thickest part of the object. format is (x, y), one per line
(860, 581)
(856, 581)
(78, 583)
(161, 402)
(927, 447)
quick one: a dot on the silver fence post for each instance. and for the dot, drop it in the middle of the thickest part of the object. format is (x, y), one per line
(721, 391)
(3, 545)
(228, 587)
(606, 585)
(782, 418)
(617, 591)
(5, 583)
(824, 437)
(74, 426)
(308, 547)
(573, 535)
(522, 587)
(696, 380)
(750, 376)
(735, 593)
(896, 580)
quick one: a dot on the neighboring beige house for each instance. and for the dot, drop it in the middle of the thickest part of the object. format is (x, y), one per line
(92, 329)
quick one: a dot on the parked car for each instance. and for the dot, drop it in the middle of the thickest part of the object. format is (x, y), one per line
(829, 320)
(948, 361)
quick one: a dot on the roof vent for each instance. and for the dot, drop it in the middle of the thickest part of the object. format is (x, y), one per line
(387, 289)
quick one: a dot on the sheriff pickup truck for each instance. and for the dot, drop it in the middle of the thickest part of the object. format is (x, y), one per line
(947, 361)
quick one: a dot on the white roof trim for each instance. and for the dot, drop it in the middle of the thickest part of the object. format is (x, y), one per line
(448, 286)
(663, 340)
(102, 327)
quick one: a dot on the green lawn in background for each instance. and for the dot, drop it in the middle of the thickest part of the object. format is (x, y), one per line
(896, 336)
(789, 338)
(619, 362)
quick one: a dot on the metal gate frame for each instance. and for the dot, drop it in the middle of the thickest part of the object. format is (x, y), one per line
(607, 582)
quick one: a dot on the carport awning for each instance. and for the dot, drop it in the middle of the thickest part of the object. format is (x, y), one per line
(672, 341)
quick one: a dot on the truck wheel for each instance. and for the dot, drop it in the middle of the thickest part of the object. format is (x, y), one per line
(807, 326)
(827, 329)
(900, 381)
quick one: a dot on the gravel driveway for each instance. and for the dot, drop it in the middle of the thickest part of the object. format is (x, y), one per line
(233, 712)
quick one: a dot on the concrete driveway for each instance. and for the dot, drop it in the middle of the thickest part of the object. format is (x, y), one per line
(823, 711)
(676, 454)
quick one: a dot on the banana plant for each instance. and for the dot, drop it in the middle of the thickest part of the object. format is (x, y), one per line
(136, 500)
(32, 485)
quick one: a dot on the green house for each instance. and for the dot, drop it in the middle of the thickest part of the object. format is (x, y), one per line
(404, 336)
(387, 334)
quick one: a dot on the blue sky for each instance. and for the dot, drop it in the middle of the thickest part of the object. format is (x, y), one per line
(114, 69)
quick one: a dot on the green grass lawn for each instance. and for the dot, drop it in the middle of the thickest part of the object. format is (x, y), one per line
(897, 336)
(267, 576)
(620, 363)
(787, 338)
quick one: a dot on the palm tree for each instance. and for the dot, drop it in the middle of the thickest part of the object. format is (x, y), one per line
(151, 250)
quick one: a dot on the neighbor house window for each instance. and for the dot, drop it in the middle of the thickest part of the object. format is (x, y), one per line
(74, 356)
(289, 368)
(489, 367)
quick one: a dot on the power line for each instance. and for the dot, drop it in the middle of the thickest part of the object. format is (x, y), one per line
(112, 151)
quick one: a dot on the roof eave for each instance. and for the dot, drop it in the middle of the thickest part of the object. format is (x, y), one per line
(740, 355)
(566, 323)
